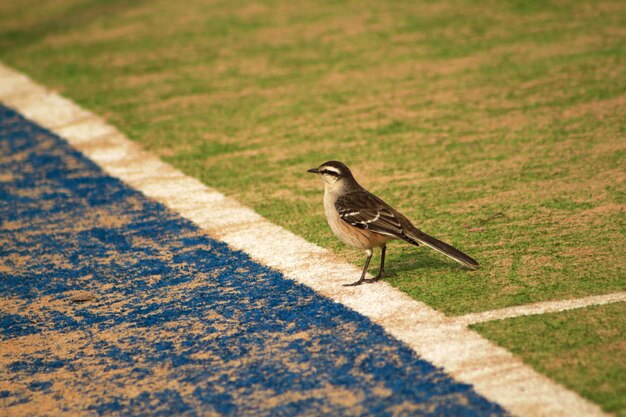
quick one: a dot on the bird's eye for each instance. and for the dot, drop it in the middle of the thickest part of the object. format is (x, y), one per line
(329, 172)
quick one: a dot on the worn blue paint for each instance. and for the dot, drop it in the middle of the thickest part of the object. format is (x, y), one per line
(181, 324)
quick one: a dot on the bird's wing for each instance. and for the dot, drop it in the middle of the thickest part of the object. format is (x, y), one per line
(366, 211)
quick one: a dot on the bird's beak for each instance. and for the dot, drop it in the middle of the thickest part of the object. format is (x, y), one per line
(314, 170)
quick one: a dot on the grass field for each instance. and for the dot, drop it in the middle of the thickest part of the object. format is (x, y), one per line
(496, 126)
(584, 350)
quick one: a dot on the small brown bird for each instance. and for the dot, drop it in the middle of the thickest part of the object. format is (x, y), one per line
(362, 220)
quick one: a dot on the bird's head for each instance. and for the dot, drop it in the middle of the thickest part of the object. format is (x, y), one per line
(335, 174)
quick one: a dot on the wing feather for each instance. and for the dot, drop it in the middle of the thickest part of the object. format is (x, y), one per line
(366, 211)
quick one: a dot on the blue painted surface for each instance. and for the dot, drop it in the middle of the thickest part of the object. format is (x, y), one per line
(181, 323)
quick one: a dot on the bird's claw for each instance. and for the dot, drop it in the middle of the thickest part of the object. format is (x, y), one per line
(354, 284)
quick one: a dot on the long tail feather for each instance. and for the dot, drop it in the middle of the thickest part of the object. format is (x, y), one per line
(444, 248)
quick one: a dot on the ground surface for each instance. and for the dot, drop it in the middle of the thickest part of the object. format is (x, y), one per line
(497, 126)
(180, 323)
(584, 350)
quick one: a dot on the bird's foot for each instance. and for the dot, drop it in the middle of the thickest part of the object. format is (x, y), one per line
(377, 278)
(354, 284)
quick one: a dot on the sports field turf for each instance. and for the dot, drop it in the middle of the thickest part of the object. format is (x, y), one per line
(585, 350)
(496, 126)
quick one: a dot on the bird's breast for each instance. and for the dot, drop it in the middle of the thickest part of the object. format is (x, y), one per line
(348, 234)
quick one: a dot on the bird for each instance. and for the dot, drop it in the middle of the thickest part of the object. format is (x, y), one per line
(364, 221)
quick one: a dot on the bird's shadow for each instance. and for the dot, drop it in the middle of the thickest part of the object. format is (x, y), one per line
(414, 261)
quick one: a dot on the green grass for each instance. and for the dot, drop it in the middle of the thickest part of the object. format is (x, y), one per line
(497, 126)
(584, 350)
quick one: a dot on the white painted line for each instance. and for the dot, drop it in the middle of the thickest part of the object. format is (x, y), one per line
(539, 308)
(494, 372)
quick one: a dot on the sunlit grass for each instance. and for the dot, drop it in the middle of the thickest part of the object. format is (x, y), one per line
(584, 350)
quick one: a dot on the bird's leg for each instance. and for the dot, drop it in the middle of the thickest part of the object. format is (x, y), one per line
(381, 271)
(367, 263)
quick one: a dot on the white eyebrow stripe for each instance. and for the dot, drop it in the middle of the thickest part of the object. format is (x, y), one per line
(333, 169)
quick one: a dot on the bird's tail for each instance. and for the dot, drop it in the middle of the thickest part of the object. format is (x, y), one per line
(444, 248)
